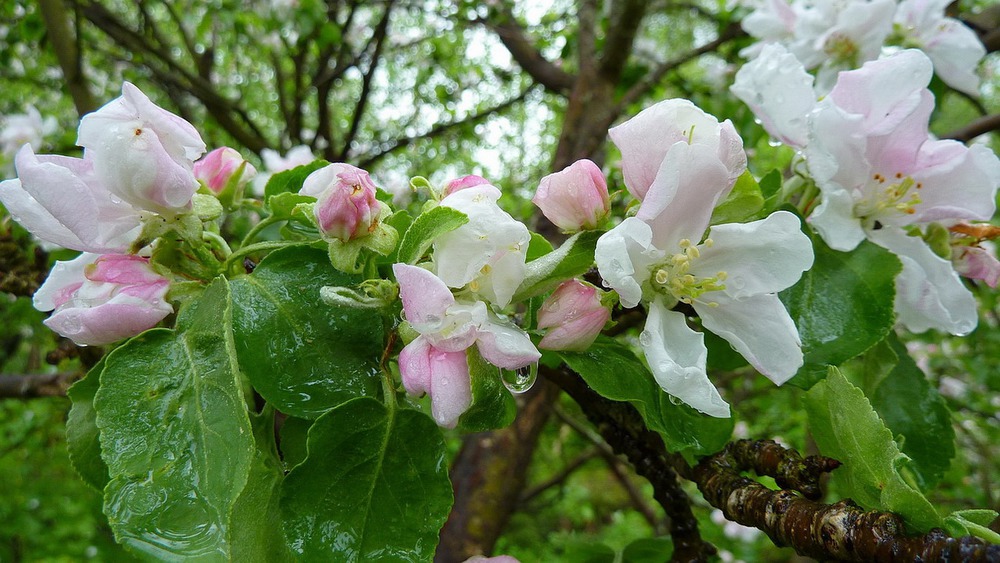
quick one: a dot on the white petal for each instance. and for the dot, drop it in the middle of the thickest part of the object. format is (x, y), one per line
(761, 330)
(835, 222)
(64, 274)
(677, 355)
(929, 293)
(779, 91)
(764, 256)
(624, 255)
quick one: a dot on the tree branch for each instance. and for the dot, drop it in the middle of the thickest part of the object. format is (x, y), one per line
(366, 82)
(626, 17)
(841, 531)
(66, 46)
(439, 130)
(502, 22)
(36, 385)
(980, 126)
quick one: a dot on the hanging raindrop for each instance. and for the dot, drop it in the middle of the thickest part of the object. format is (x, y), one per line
(521, 379)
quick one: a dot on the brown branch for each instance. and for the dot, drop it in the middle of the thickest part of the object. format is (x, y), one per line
(36, 385)
(840, 531)
(559, 477)
(65, 45)
(502, 22)
(401, 143)
(980, 126)
(626, 17)
(366, 82)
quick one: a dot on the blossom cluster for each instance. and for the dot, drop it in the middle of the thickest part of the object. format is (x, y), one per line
(841, 35)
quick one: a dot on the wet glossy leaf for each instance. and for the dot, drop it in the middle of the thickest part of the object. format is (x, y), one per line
(742, 203)
(253, 533)
(302, 355)
(842, 306)
(175, 434)
(492, 404)
(616, 373)
(846, 428)
(374, 488)
(425, 228)
(82, 435)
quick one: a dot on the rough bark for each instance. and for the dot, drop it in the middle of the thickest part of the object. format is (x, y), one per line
(66, 47)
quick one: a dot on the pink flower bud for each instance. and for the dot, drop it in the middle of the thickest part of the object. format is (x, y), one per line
(575, 314)
(98, 299)
(464, 182)
(574, 199)
(217, 168)
(977, 263)
(346, 207)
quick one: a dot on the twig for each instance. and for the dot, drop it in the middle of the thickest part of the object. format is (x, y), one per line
(36, 385)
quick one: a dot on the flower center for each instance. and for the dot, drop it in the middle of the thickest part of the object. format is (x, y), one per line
(841, 48)
(673, 277)
(890, 198)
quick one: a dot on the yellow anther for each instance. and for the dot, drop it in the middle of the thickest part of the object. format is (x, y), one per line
(721, 276)
(684, 243)
(662, 276)
(709, 242)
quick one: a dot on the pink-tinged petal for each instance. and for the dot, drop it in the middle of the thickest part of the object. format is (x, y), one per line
(677, 356)
(122, 269)
(624, 256)
(65, 274)
(959, 182)
(929, 293)
(645, 139)
(764, 256)
(779, 91)
(978, 264)
(574, 314)
(956, 51)
(885, 91)
(505, 345)
(575, 198)
(217, 168)
(33, 216)
(415, 366)
(105, 323)
(451, 387)
(179, 137)
(457, 330)
(464, 182)
(679, 203)
(761, 330)
(425, 297)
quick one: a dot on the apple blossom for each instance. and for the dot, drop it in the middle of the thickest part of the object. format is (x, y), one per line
(346, 207)
(486, 254)
(975, 262)
(24, 129)
(954, 49)
(99, 299)
(217, 168)
(575, 198)
(62, 201)
(435, 362)
(645, 139)
(731, 278)
(575, 316)
(142, 153)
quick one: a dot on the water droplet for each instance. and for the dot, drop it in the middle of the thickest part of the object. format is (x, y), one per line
(521, 379)
(738, 282)
(773, 142)
(645, 338)
(675, 400)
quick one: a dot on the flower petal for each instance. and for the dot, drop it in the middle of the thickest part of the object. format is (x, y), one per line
(624, 255)
(761, 330)
(505, 345)
(677, 355)
(929, 293)
(425, 297)
(835, 222)
(415, 367)
(779, 91)
(764, 256)
(451, 386)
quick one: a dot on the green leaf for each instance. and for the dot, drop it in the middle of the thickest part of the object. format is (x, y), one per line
(291, 180)
(972, 522)
(175, 434)
(648, 550)
(911, 408)
(302, 355)
(283, 204)
(847, 428)
(538, 246)
(374, 488)
(82, 435)
(742, 203)
(616, 373)
(425, 228)
(842, 306)
(573, 258)
(294, 433)
(253, 534)
(492, 404)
